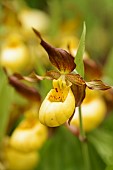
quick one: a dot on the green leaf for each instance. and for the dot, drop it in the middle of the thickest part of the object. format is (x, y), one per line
(108, 122)
(6, 97)
(109, 167)
(96, 161)
(79, 56)
(102, 140)
(61, 152)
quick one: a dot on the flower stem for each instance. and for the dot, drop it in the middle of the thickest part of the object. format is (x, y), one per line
(82, 133)
(84, 144)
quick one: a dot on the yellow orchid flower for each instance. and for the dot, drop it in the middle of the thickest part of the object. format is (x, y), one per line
(33, 18)
(93, 112)
(17, 160)
(58, 106)
(29, 135)
(68, 86)
(14, 54)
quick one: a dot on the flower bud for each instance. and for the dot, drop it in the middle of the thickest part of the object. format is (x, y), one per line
(93, 112)
(58, 106)
(29, 135)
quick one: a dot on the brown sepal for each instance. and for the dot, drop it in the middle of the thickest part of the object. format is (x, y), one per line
(28, 92)
(33, 77)
(30, 78)
(92, 69)
(53, 74)
(75, 79)
(37, 77)
(97, 85)
(60, 58)
(79, 93)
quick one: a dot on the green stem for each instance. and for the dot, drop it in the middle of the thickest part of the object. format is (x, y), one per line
(82, 133)
(84, 143)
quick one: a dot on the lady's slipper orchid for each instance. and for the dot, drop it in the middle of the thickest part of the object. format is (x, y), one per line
(29, 135)
(58, 105)
(14, 54)
(68, 87)
(16, 160)
(33, 18)
(93, 112)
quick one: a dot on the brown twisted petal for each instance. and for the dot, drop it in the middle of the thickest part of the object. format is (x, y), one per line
(28, 92)
(75, 79)
(97, 85)
(79, 93)
(60, 58)
(53, 74)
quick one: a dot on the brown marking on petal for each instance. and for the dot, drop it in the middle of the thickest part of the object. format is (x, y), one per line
(56, 89)
(58, 95)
